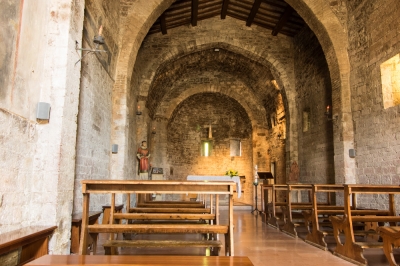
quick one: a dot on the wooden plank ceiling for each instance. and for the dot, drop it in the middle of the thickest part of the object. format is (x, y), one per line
(274, 15)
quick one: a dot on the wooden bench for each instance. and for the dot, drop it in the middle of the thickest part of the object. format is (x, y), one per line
(167, 216)
(292, 209)
(168, 187)
(170, 210)
(213, 247)
(68, 260)
(271, 207)
(351, 249)
(107, 212)
(391, 238)
(76, 227)
(24, 245)
(317, 220)
(179, 204)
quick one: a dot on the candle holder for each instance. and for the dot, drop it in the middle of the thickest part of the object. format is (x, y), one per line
(97, 40)
(329, 116)
(255, 183)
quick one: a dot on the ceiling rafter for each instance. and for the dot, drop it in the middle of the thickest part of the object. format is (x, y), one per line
(275, 15)
(163, 24)
(224, 10)
(282, 20)
(195, 12)
(253, 12)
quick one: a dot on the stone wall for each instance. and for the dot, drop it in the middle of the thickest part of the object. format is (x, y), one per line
(95, 102)
(189, 126)
(374, 38)
(314, 94)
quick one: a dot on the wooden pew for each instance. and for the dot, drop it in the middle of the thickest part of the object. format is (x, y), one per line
(170, 210)
(76, 225)
(316, 232)
(292, 210)
(107, 211)
(272, 203)
(69, 260)
(352, 250)
(26, 244)
(178, 204)
(391, 238)
(155, 186)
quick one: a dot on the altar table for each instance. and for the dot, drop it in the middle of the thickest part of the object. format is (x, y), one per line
(236, 179)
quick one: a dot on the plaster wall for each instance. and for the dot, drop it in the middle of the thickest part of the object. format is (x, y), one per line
(40, 166)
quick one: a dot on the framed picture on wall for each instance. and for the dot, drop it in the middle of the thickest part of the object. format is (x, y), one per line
(156, 170)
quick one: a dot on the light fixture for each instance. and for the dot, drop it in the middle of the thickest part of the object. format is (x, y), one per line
(329, 115)
(97, 40)
(138, 112)
(153, 131)
(216, 49)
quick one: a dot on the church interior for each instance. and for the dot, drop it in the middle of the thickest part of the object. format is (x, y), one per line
(307, 90)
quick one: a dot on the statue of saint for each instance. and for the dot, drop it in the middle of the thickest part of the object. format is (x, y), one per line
(143, 156)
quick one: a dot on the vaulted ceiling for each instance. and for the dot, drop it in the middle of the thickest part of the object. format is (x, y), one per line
(274, 15)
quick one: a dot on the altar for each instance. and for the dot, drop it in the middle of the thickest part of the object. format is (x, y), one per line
(236, 179)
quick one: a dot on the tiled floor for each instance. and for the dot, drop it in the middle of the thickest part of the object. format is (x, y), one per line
(264, 245)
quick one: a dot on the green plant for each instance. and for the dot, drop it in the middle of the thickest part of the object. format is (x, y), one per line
(231, 172)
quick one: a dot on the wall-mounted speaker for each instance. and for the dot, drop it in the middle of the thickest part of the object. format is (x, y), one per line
(43, 111)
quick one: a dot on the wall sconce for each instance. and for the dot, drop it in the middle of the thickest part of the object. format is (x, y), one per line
(329, 116)
(97, 40)
(153, 131)
(138, 112)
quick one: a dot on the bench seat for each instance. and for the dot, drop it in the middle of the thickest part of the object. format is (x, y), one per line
(170, 205)
(165, 216)
(170, 210)
(214, 244)
(159, 228)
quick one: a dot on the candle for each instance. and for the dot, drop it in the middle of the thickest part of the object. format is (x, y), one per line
(100, 30)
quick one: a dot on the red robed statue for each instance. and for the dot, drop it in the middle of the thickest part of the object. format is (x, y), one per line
(143, 156)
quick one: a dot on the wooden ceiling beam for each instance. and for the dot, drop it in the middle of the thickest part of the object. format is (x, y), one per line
(253, 12)
(195, 12)
(282, 20)
(224, 9)
(163, 24)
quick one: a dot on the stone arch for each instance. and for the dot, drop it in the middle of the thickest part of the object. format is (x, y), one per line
(317, 15)
(202, 89)
(278, 70)
(334, 41)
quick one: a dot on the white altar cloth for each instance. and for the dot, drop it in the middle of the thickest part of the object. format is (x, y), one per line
(236, 179)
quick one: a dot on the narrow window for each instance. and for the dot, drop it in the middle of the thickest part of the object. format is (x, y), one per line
(236, 147)
(306, 121)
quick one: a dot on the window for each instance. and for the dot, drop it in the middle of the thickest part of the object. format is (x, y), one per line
(306, 121)
(390, 76)
(236, 147)
(206, 148)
